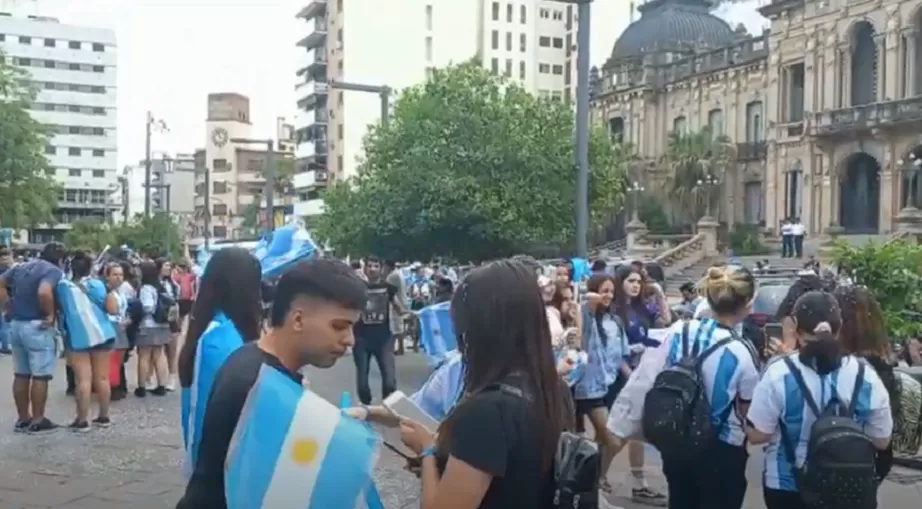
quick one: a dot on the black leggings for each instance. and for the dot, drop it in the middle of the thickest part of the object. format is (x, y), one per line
(719, 483)
(782, 499)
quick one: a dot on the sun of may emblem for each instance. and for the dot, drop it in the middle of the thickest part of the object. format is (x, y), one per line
(304, 451)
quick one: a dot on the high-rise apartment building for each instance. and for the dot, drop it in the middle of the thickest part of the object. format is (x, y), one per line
(395, 44)
(74, 70)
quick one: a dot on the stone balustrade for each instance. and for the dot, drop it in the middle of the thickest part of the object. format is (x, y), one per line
(680, 257)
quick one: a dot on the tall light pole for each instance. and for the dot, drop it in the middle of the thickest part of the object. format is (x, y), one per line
(151, 124)
(709, 183)
(582, 126)
(270, 176)
(384, 92)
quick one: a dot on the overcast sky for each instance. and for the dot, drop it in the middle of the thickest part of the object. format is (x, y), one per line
(172, 53)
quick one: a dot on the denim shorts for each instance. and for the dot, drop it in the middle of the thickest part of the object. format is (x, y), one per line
(34, 349)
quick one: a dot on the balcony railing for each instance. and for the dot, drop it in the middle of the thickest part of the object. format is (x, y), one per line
(750, 151)
(314, 8)
(867, 116)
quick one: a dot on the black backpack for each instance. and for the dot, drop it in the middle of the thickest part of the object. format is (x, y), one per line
(577, 465)
(676, 412)
(839, 470)
(162, 310)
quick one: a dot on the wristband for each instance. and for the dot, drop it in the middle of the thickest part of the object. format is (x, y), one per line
(428, 451)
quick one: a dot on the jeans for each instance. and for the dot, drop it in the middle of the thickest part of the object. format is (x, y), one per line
(4, 335)
(34, 349)
(382, 349)
(799, 245)
(787, 246)
(718, 483)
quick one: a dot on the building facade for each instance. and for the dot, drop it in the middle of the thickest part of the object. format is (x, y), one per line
(74, 70)
(396, 44)
(823, 107)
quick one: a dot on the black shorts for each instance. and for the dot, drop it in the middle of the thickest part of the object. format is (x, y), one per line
(185, 307)
(584, 406)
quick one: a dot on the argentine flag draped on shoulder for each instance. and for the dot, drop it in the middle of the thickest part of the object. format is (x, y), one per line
(294, 450)
(216, 344)
(82, 309)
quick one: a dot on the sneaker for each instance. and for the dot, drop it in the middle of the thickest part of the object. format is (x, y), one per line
(159, 391)
(79, 426)
(42, 426)
(648, 496)
(118, 394)
(140, 392)
(150, 385)
(21, 426)
(102, 422)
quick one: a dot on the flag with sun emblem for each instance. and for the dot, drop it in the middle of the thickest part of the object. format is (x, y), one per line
(294, 450)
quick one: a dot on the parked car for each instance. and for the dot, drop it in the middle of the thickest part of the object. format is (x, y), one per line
(765, 305)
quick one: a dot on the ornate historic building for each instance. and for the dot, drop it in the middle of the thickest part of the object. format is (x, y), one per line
(825, 107)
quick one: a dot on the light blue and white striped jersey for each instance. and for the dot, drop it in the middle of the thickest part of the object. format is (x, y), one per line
(729, 374)
(778, 397)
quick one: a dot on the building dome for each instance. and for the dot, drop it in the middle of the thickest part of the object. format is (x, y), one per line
(680, 26)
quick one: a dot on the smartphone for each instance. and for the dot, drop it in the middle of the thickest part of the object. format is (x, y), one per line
(774, 331)
(404, 407)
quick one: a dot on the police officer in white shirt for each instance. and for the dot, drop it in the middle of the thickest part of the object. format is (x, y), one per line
(797, 234)
(787, 240)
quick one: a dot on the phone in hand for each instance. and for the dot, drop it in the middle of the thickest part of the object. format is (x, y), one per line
(404, 407)
(774, 339)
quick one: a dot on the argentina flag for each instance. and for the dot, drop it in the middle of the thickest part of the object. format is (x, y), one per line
(288, 245)
(219, 340)
(442, 389)
(294, 450)
(81, 307)
(437, 331)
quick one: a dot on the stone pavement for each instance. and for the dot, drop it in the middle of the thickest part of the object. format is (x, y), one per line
(137, 462)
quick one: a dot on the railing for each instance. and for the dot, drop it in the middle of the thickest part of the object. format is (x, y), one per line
(618, 246)
(751, 151)
(868, 115)
(684, 255)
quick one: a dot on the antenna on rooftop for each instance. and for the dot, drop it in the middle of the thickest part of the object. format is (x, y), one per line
(630, 14)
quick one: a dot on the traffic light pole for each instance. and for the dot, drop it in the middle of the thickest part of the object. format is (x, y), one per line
(384, 92)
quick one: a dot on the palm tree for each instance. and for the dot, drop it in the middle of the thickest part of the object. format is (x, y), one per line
(696, 165)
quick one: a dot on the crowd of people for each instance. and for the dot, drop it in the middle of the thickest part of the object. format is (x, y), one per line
(823, 398)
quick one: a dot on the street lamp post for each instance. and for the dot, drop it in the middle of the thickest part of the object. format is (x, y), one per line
(384, 92)
(150, 125)
(634, 191)
(709, 183)
(582, 125)
(270, 176)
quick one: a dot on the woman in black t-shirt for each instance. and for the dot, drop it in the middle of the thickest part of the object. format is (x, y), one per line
(496, 448)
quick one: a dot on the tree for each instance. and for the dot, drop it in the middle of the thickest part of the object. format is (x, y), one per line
(88, 234)
(689, 159)
(28, 191)
(155, 236)
(893, 273)
(470, 166)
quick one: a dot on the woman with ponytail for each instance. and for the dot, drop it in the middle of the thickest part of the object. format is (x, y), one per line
(779, 415)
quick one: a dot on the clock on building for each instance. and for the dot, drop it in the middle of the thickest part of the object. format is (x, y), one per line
(219, 137)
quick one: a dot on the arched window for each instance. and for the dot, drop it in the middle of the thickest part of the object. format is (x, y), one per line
(754, 133)
(864, 64)
(679, 125)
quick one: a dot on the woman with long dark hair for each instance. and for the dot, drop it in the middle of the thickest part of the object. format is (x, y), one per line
(226, 314)
(154, 331)
(496, 447)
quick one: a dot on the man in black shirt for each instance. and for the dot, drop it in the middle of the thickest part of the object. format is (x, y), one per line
(315, 307)
(373, 337)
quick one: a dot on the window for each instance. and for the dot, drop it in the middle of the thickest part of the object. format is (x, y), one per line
(523, 14)
(73, 173)
(73, 151)
(73, 45)
(679, 125)
(508, 41)
(98, 90)
(558, 42)
(544, 68)
(49, 64)
(495, 11)
(557, 95)
(73, 108)
(716, 123)
(567, 72)
(544, 13)
(494, 39)
(558, 69)
(73, 130)
(99, 68)
(494, 66)
(616, 129)
(558, 15)
(219, 165)
(219, 187)
(49, 43)
(339, 5)
(25, 61)
(509, 13)
(99, 48)
(339, 36)
(428, 48)
(508, 67)
(544, 42)
(221, 231)
(2, 37)
(98, 152)
(754, 122)
(339, 132)
(522, 70)
(98, 174)
(25, 40)
(522, 42)
(50, 150)
(794, 85)
(73, 67)
(99, 131)
(219, 209)
(99, 111)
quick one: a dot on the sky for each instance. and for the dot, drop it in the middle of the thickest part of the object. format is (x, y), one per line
(173, 53)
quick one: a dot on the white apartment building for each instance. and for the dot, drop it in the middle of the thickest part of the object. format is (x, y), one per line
(74, 69)
(395, 44)
(172, 188)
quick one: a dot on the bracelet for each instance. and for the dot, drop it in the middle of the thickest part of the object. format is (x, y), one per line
(428, 451)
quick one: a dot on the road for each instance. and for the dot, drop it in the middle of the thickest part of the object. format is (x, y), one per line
(137, 462)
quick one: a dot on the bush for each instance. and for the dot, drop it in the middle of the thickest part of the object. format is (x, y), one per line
(892, 271)
(746, 240)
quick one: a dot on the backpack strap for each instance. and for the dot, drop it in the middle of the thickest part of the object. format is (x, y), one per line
(859, 381)
(805, 391)
(711, 349)
(685, 351)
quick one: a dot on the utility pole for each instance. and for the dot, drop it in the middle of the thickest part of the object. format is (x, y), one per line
(207, 207)
(384, 92)
(270, 177)
(148, 124)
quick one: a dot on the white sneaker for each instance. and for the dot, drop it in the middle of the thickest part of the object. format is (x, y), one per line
(604, 503)
(171, 386)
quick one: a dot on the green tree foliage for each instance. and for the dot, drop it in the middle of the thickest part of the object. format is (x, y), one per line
(469, 167)
(156, 236)
(688, 159)
(28, 192)
(893, 273)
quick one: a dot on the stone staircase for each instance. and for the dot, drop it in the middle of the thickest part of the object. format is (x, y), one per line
(781, 270)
